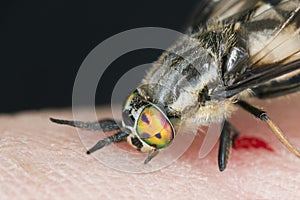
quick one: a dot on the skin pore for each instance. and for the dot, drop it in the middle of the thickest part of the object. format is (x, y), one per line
(42, 160)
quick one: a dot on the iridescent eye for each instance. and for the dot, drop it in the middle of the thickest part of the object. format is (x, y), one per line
(154, 128)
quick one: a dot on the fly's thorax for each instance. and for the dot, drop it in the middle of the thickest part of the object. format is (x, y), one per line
(213, 109)
(193, 73)
(149, 125)
(193, 64)
(213, 112)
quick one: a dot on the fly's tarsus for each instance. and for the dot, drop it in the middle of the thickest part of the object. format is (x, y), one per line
(281, 136)
(275, 129)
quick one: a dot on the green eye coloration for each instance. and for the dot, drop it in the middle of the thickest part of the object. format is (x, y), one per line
(154, 128)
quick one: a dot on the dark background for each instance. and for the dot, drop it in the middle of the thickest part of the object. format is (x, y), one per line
(43, 43)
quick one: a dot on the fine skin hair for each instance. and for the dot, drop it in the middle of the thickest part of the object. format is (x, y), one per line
(40, 160)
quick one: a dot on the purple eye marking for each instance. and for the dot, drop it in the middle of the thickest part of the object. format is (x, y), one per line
(145, 119)
(158, 135)
(145, 135)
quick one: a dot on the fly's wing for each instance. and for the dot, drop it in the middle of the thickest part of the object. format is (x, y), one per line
(273, 37)
(207, 10)
(278, 87)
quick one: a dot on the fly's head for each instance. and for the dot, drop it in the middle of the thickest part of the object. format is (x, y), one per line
(149, 126)
(145, 126)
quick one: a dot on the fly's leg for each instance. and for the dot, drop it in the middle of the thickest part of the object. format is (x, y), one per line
(118, 137)
(151, 155)
(105, 125)
(227, 140)
(262, 115)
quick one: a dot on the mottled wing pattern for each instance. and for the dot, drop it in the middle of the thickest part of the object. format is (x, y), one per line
(274, 46)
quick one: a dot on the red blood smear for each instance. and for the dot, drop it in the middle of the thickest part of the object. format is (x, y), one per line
(251, 142)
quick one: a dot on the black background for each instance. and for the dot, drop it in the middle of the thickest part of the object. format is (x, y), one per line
(43, 43)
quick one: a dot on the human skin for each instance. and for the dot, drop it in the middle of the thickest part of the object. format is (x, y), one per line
(43, 160)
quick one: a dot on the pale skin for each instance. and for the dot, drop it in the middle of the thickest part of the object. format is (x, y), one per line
(42, 160)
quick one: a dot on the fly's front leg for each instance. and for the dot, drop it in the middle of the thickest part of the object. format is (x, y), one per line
(118, 137)
(105, 125)
(227, 138)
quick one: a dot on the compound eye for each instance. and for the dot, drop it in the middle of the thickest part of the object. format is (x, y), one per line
(154, 128)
